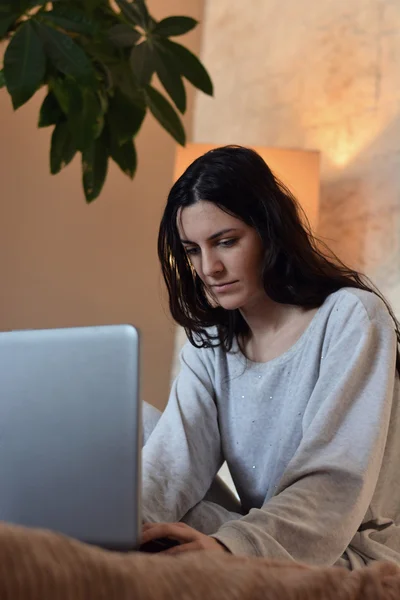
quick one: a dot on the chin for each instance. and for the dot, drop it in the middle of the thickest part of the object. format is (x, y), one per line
(231, 303)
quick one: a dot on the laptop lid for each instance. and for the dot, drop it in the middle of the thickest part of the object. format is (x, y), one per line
(70, 432)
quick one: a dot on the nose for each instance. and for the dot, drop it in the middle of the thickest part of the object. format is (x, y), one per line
(211, 265)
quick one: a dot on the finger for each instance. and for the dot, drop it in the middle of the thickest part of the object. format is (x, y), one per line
(169, 530)
(191, 547)
(166, 531)
(147, 526)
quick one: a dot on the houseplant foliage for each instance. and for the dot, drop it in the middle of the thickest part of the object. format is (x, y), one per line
(97, 59)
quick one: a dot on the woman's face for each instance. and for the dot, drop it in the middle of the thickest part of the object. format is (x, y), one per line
(225, 252)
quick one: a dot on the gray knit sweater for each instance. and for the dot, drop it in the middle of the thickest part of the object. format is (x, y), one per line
(312, 440)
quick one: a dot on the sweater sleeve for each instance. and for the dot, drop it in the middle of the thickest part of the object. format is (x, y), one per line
(183, 454)
(328, 485)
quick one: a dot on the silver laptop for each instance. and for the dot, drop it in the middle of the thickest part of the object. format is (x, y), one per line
(70, 433)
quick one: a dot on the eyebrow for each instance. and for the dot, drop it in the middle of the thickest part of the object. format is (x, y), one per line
(213, 236)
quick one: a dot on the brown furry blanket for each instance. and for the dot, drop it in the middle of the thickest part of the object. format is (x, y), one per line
(39, 565)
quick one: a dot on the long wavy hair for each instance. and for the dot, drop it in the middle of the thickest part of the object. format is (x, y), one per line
(297, 268)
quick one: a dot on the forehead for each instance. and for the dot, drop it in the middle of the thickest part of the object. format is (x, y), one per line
(201, 220)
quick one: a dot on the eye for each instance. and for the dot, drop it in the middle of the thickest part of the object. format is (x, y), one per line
(227, 243)
(192, 251)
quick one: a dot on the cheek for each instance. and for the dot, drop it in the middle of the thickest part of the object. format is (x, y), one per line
(250, 265)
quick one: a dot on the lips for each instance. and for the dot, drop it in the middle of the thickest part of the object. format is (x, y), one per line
(219, 287)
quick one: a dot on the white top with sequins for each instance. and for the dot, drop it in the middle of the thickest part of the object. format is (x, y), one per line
(312, 440)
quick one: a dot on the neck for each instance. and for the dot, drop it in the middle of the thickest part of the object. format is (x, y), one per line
(266, 317)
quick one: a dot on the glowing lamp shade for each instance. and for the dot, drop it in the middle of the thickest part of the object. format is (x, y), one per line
(297, 169)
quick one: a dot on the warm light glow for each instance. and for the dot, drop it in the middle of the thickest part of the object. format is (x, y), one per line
(298, 169)
(343, 140)
(342, 146)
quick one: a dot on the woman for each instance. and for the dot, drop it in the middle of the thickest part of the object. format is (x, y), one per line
(290, 374)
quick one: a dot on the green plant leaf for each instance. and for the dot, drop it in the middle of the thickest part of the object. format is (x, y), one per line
(2, 80)
(65, 54)
(69, 19)
(188, 65)
(124, 156)
(65, 90)
(5, 6)
(87, 123)
(91, 6)
(24, 5)
(165, 114)
(130, 12)
(6, 22)
(101, 51)
(175, 26)
(136, 12)
(63, 148)
(124, 117)
(20, 6)
(123, 35)
(124, 80)
(171, 79)
(50, 112)
(143, 63)
(95, 167)
(82, 108)
(24, 65)
(142, 8)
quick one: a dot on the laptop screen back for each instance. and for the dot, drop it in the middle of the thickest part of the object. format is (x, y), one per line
(70, 432)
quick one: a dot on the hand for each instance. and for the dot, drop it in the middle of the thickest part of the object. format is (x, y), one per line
(189, 539)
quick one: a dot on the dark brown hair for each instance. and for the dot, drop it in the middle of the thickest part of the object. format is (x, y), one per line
(298, 269)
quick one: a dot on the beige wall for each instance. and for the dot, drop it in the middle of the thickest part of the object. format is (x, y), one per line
(325, 76)
(63, 263)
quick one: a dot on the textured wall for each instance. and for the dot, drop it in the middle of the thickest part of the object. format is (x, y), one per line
(319, 76)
